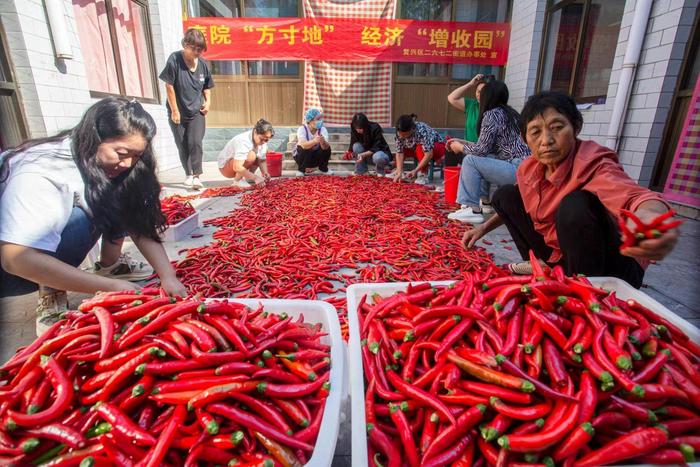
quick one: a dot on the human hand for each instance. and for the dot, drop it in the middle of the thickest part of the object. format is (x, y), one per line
(455, 146)
(204, 109)
(412, 173)
(117, 285)
(397, 176)
(260, 181)
(266, 176)
(477, 79)
(652, 248)
(175, 117)
(173, 287)
(471, 236)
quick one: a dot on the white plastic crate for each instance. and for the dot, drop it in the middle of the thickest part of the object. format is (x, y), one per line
(176, 232)
(357, 387)
(316, 311)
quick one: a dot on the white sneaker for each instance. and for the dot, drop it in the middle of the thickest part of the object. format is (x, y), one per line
(125, 268)
(440, 189)
(328, 172)
(486, 208)
(300, 173)
(422, 179)
(466, 214)
(197, 183)
(188, 181)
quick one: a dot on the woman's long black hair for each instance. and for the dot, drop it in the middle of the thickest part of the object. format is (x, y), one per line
(495, 94)
(360, 120)
(128, 202)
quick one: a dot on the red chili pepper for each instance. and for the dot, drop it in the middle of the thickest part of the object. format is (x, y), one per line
(448, 436)
(123, 424)
(417, 393)
(637, 443)
(64, 396)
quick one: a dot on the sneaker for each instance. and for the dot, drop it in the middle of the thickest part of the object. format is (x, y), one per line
(467, 214)
(486, 208)
(188, 181)
(242, 183)
(327, 172)
(125, 268)
(422, 179)
(52, 304)
(300, 173)
(440, 189)
(523, 268)
(197, 183)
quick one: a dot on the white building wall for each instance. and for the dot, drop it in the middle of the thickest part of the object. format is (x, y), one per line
(54, 93)
(668, 32)
(527, 23)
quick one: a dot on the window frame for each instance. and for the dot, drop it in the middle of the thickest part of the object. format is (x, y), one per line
(552, 7)
(118, 60)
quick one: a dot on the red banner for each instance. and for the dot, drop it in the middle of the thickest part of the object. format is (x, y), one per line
(353, 40)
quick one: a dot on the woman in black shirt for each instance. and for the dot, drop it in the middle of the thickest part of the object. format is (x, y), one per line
(367, 144)
(187, 82)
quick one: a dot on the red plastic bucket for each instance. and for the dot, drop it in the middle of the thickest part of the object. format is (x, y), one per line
(451, 184)
(274, 163)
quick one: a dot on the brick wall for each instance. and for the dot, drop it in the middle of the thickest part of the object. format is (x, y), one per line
(527, 23)
(54, 93)
(667, 34)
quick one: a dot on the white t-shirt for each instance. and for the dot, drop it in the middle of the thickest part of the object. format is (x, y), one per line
(239, 147)
(37, 198)
(304, 134)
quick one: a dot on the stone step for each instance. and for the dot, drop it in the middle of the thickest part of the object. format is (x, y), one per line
(343, 145)
(335, 165)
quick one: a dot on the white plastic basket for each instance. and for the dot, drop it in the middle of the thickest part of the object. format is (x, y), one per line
(177, 232)
(316, 311)
(357, 387)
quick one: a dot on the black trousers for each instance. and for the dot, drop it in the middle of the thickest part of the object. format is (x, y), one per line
(188, 139)
(310, 158)
(587, 234)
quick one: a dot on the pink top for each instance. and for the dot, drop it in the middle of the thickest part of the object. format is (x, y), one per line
(590, 167)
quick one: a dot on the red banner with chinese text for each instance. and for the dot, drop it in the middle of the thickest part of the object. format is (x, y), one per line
(353, 39)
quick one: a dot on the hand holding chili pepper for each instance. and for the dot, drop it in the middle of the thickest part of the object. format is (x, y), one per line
(646, 235)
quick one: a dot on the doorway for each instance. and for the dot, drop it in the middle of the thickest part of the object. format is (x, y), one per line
(12, 126)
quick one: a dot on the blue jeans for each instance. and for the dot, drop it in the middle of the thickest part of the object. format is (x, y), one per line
(77, 239)
(478, 173)
(379, 158)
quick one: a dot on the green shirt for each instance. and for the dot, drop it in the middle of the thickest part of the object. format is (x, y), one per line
(471, 117)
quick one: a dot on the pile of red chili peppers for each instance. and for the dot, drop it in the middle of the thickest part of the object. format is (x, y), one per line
(175, 209)
(642, 231)
(147, 380)
(308, 238)
(537, 370)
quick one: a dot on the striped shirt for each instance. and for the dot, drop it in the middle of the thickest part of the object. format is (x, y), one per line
(423, 135)
(499, 136)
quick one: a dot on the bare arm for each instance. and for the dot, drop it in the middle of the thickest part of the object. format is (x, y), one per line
(37, 266)
(156, 257)
(399, 166)
(239, 167)
(310, 143)
(456, 97)
(172, 102)
(207, 101)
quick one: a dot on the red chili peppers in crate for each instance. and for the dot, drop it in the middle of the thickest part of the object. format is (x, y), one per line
(495, 381)
(176, 208)
(139, 379)
(311, 237)
(643, 230)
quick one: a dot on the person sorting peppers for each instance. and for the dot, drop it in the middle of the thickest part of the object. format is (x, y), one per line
(568, 199)
(58, 195)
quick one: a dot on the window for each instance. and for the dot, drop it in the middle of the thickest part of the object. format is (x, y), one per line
(579, 48)
(116, 44)
(253, 9)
